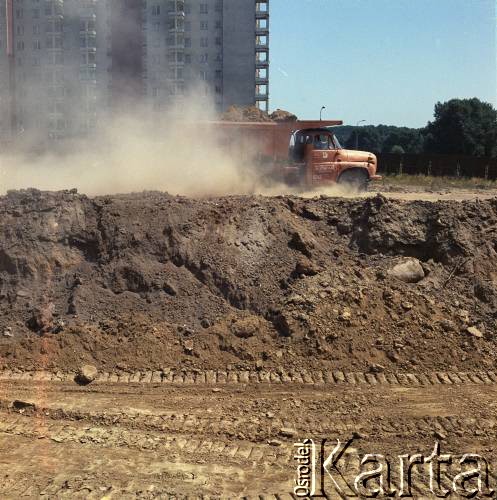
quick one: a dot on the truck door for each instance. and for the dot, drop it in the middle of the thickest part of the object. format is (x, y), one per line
(323, 168)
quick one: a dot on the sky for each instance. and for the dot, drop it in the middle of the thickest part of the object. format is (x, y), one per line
(383, 61)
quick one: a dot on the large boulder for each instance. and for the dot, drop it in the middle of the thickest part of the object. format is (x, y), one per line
(86, 374)
(409, 271)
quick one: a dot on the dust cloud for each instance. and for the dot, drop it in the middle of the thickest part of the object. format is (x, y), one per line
(175, 151)
(136, 151)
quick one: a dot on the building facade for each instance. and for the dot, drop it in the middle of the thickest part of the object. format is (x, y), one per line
(64, 63)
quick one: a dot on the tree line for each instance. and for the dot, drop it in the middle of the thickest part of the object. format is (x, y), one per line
(460, 127)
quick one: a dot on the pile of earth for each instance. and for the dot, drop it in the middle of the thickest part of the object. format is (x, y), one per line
(254, 114)
(154, 281)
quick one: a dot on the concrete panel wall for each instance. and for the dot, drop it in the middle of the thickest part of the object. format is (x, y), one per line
(238, 53)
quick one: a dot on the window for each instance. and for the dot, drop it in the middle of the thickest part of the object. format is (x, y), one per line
(20, 30)
(203, 58)
(219, 41)
(188, 26)
(36, 29)
(20, 45)
(188, 58)
(204, 8)
(219, 74)
(36, 13)
(156, 10)
(188, 42)
(204, 25)
(36, 45)
(204, 42)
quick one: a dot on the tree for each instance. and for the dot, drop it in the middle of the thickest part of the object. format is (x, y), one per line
(397, 150)
(463, 126)
(408, 139)
(368, 139)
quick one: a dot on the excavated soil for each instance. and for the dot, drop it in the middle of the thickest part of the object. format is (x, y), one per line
(154, 281)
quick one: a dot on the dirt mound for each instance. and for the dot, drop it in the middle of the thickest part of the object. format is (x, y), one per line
(246, 114)
(281, 115)
(151, 280)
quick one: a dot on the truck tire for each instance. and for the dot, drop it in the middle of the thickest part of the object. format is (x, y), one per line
(355, 179)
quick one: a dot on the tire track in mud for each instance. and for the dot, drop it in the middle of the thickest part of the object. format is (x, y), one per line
(277, 376)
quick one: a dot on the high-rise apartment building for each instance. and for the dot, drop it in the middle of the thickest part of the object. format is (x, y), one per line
(65, 62)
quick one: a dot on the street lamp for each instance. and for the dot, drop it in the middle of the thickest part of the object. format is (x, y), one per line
(357, 134)
(321, 113)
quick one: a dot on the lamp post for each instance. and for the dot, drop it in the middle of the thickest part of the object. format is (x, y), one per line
(321, 113)
(357, 134)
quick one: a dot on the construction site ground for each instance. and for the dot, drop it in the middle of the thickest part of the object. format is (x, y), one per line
(224, 330)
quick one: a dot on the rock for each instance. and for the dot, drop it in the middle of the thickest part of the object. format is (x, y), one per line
(409, 271)
(170, 289)
(346, 314)
(41, 320)
(447, 325)
(274, 442)
(22, 405)
(393, 356)
(205, 323)
(270, 414)
(188, 346)
(407, 305)
(288, 432)
(472, 330)
(59, 326)
(86, 374)
(245, 328)
(8, 332)
(306, 267)
(375, 368)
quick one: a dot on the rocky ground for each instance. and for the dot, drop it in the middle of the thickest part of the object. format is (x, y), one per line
(154, 346)
(151, 280)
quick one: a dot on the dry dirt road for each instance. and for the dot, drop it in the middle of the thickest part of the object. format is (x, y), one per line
(410, 193)
(218, 434)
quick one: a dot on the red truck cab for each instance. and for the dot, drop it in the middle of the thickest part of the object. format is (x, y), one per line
(317, 158)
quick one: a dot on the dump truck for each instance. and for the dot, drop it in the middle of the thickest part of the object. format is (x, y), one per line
(305, 154)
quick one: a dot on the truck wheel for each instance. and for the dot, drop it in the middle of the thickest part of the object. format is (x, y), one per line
(354, 179)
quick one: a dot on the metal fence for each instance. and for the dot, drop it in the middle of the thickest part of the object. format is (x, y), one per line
(438, 165)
